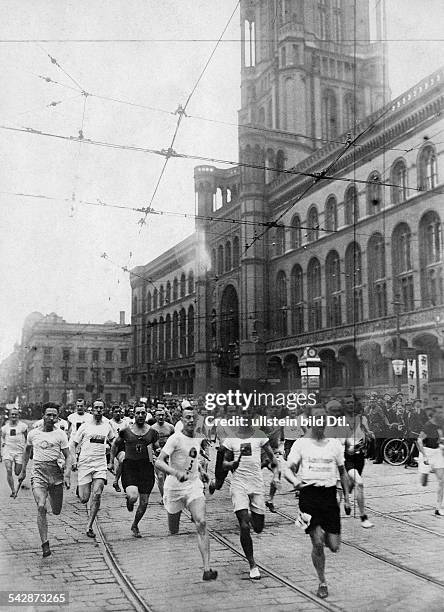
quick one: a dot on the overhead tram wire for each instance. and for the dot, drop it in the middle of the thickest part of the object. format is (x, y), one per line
(181, 112)
(191, 40)
(104, 144)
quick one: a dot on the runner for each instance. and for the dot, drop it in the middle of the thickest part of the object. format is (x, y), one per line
(164, 431)
(77, 418)
(118, 422)
(318, 459)
(91, 439)
(431, 447)
(221, 432)
(59, 424)
(138, 470)
(47, 476)
(242, 455)
(183, 487)
(355, 451)
(13, 440)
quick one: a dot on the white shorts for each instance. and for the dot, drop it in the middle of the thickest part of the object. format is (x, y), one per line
(87, 473)
(9, 455)
(242, 500)
(175, 500)
(435, 458)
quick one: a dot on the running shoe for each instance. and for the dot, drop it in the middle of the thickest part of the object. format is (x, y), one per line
(211, 487)
(439, 512)
(135, 531)
(46, 551)
(365, 522)
(255, 574)
(270, 506)
(90, 533)
(322, 591)
(116, 487)
(209, 575)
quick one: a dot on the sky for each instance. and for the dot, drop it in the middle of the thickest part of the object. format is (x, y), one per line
(51, 250)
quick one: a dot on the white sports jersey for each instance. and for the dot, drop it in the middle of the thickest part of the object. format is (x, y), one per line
(47, 445)
(183, 453)
(248, 476)
(76, 420)
(92, 439)
(319, 460)
(13, 437)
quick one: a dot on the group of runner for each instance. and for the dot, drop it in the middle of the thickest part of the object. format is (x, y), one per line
(147, 448)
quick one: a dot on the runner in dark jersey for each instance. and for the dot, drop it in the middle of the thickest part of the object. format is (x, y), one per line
(138, 469)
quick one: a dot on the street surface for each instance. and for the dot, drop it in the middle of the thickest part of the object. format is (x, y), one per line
(397, 565)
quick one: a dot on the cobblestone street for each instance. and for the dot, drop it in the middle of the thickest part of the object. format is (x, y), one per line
(395, 566)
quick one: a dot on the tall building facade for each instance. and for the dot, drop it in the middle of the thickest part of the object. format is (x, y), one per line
(63, 361)
(329, 232)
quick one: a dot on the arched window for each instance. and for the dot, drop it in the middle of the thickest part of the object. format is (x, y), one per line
(403, 266)
(377, 285)
(213, 260)
(220, 259)
(149, 342)
(353, 283)
(168, 337)
(329, 115)
(349, 111)
(331, 214)
(280, 240)
(324, 23)
(337, 21)
(313, 224)
(190, 330)
(154, 336)
(351, 206)
(314, 294)
(155, 299)
(175, 289)
(175, 344)
(191, 281)
(228, 262)
(168, 293)
(280, 160)
(333, 289)
(296, 238)
(149, 303)
(161, 296)
(270, 166)
(249, 43)
(281, 304)
(374, 193)
(427, 168)
(399, 182)
(297, 300)
(161, 337)
(182, 333)
(431, 259)
(183, 285)
(236, 252)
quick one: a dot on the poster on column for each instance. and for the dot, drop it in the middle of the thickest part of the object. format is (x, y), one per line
(423, 363)
(412, 379)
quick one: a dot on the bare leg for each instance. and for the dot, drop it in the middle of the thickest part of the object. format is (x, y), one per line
(96, 494)
(173, 523)
(317, 553)
(9, 476)
(245, 536)
(440, 493)
(56, 499)
(197, 509)
(42, 523)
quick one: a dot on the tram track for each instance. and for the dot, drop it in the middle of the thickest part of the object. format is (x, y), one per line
(308, 595)
(379, 557)
(404, 522)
